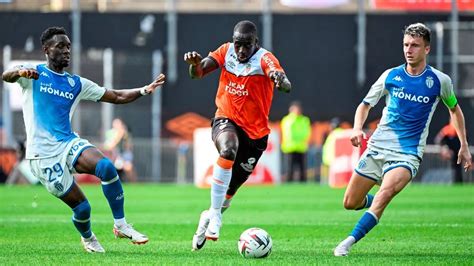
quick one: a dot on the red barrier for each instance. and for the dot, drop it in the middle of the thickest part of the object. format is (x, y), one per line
(346, 158)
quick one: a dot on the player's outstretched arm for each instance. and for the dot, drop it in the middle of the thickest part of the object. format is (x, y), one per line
(464, 155)
(282, 83)
(130, 95)
(199, 67)
(359, 119)
(13, 74)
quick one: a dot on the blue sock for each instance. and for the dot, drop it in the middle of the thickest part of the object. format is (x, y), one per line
(111, 186)
(81, 219)
(368, 202)
(365, 224)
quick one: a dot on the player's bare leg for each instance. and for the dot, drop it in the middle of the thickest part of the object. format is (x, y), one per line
(355, 196)
(393, 182)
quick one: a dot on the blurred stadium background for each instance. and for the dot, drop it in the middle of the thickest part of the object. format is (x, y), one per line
(332, 51)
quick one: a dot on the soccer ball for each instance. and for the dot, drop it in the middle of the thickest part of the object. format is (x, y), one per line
(255, 243)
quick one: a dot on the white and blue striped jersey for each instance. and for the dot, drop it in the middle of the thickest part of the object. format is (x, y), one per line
(48, 105)
(410, 104)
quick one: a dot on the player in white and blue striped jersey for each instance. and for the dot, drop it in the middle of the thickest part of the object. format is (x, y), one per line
(412, 92)
(54, 150)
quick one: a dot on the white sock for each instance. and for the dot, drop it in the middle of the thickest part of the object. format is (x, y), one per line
(220, 182)
(350, 240)
(120, 222)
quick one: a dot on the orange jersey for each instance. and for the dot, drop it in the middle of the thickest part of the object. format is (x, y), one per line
(245, 91)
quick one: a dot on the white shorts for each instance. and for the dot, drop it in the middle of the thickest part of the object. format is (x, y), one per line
(56, 173)
(376, 162)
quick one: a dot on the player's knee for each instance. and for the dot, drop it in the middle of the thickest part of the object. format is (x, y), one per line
(105, 170)
(350, 204)
(83, 210)
(228, 153)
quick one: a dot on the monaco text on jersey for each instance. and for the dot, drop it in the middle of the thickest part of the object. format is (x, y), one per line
(398, 93)
(47, 88)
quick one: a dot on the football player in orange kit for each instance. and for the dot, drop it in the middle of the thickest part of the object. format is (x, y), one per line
(240, 127)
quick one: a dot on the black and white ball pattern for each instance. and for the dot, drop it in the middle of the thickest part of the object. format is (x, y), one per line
(255, 243)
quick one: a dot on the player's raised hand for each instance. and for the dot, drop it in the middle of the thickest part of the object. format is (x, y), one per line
(465, 156)
(277, 77)
(280, 80)
(150, 88)
(28, 73)
(192, 58)
(357, 136)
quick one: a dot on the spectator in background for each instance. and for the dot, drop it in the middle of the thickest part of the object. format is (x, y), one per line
(450, 145)
(295, 134)
(329, 146)
(118, 141)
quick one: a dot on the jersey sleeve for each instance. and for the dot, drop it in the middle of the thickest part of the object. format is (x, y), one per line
(24, 82)
(377, 90)
(219, 54)
(270, 63)
(447, 92)
(90, 90)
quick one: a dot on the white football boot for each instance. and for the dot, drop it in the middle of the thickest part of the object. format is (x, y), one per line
(91, 244)
(343, 248)
(215, 223)
(199, 238)
(127, 231)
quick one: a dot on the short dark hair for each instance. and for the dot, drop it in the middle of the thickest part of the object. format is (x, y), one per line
(50, 32)
(246, 26)
(419, 30)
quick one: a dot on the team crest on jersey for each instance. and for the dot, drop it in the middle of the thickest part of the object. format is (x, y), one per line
(248, 67)
(230, 65)
(362, 164)
(71, 81)
(429, 82)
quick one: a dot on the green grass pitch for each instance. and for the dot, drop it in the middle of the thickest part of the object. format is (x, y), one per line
(423, 225)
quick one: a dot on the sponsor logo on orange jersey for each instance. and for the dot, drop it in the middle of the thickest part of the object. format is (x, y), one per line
(269, 62)
(236, 89)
